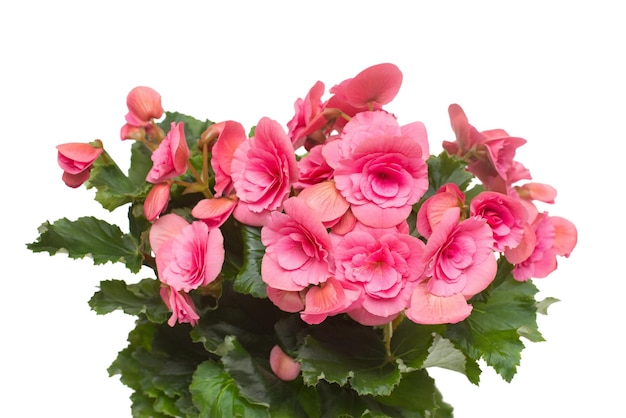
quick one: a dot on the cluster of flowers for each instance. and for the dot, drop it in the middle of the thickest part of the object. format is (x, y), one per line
(334, 222)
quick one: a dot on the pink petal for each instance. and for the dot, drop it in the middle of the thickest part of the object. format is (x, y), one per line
(156, 200)
(426, 308)
(286, 300)
(565, 237)
(325, 200)
(214, 212)
(164, 229)
(376, 84)
(283, 366)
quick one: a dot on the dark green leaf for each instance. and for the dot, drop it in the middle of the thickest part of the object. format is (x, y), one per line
(133, 299)
(89, 237)
(216, 395)
(342, 352)
(411, 342)
(444, 169)
(249, 280)
(493, 330)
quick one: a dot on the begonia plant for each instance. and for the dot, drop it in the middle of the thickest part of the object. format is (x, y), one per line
(317, 267)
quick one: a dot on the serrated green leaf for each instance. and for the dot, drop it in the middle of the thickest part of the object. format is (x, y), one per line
(444, 354)
(415, 396)
(443, 169)
(410, 342)
(89, 237)
(543, 305)
(493, 330)
(132, 299)
(249, 280)
(216, 395)
(341, 352)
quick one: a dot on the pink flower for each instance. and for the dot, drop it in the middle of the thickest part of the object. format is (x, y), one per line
(144, 104)
(383, 177)
(308, 116)
(229, 135)
(180, 304)
(170, 159)
(378, 84)
(263, 170)
(384, 263)
(283, 366)
(188, 256)
(326, 201)
(76, 160)
(430, 213)
(298, 249)
(313, 169)
(461, 264)
(555, 236)
(505, 216)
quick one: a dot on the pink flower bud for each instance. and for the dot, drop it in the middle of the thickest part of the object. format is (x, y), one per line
(283, 366)
(76, 160)
(144, 104)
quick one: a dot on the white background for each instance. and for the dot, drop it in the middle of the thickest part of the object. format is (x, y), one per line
(550, 72)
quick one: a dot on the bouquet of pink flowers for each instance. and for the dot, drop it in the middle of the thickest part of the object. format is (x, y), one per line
(316, 269)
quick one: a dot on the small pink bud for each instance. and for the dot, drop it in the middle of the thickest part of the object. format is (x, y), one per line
(283, 366)
(156, 201)
(76, 160)
(144, 104)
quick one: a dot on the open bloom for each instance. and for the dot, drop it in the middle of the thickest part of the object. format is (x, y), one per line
(263, 169)
(187, 255)
(76, 159)
(461, 264)
(384, 263)
(505, 216)
(298, 249)
(170, 159)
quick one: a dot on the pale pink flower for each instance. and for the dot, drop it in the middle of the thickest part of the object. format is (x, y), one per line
(384, 263)
(383, 177)
(156, 200)
(313, 169)
(181, 305)
(298, 249)
(461, 263)
(170, 159)
(187, 255)
(283, 366)
(308, 116)
(144, 104)
(555, 236)
(230, 135)
(263, 170)
(76, 160)
(214, 212)
(505, 216)
(329, 298)
(430, 213)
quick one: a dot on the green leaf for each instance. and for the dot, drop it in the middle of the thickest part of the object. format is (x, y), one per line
(249, 280)
(216, 395)
(114, 188)
(542, 306)
(89, 237)
(133, 299)
(497, 322)
(445, 355)
(444, 169)
(410, 343)
(340, 351)
(415, 396)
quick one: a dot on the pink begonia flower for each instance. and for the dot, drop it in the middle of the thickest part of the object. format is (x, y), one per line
(326, 201)
(170, 159)
(430, 213)
(461, 263)
(76, 160)
(308, 116)
(329, 298)
(298, 249)
(187, 255)
(313, 169)
(144, 104)
(283, 366)
(556, 236)
(384, 263)
(156, 200)
(505, 216)
(230, 135)
(382, 179)
(181, 305)
(214, 212)
(378, 84)
(263, 170)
